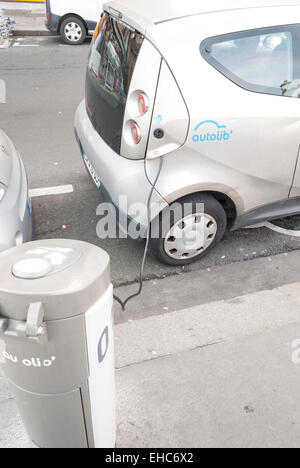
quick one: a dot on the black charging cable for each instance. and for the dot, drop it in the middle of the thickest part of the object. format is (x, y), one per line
(123, 304)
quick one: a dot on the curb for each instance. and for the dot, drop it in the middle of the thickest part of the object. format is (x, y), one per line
(33, 33)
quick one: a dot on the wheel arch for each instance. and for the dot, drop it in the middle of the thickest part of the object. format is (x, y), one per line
(71, 15)
(228, 206)
(225, 201)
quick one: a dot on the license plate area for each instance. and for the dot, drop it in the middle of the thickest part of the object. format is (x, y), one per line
(92, 171)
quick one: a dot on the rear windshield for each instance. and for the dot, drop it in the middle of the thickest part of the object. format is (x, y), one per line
(112, 60)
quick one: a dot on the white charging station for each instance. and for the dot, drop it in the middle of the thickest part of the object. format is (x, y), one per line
(56, 320)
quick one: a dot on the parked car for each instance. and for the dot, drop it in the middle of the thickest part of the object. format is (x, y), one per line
(73, 19)
(15, 206)
(212, 89)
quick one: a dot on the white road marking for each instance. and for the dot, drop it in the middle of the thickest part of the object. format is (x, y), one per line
(29, 45)
(5, 45)
(46, 191)
(275, 228)
(287, 232)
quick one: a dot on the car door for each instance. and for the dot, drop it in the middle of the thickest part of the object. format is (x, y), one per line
(90, 11)
(265, 61)
(244, 129)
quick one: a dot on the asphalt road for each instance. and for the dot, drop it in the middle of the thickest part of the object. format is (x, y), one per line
(45, 83)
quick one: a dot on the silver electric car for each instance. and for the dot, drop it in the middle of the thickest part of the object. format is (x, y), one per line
(201, 98)
(15, 206)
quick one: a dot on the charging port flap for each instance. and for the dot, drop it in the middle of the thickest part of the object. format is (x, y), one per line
(170, 122)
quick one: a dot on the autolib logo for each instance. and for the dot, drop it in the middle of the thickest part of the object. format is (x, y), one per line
(211, 131)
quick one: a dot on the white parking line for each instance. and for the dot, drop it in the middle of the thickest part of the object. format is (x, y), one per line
(46, 191)
(280, 230)
(5, 45)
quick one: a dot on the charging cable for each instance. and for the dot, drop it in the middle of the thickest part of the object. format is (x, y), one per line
(123, 304)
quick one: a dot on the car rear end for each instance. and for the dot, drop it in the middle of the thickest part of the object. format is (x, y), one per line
(133, 110)
(52, 20)
(15, 205)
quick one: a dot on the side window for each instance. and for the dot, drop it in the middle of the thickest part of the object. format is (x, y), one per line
(263, 60)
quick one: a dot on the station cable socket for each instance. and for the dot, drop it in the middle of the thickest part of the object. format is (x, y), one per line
(123, 304)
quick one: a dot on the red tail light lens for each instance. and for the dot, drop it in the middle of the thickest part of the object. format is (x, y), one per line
(143, 103)
(47, 16)
(136, 133)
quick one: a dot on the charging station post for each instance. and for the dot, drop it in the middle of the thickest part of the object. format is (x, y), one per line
(56, 322)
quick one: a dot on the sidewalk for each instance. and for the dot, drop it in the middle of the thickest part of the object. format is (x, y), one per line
(216, 375)
(219, 374)
(29, 17)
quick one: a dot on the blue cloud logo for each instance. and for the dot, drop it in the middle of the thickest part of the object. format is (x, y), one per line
(203, 132)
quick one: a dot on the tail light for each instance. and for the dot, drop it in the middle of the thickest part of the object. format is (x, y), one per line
(48, 16)
(143, 103)
(140, 102)
(136, 133)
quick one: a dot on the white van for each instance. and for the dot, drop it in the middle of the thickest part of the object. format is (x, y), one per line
(73, 19)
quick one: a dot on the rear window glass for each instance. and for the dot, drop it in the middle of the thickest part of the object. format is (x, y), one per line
(112, 61)
(262, 60)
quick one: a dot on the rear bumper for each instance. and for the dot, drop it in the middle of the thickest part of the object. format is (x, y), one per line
(91, 26)
(15, 209)
(52, 24)
(124, 181)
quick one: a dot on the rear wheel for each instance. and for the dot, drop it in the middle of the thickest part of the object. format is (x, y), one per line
(185, 235)
(73, 31)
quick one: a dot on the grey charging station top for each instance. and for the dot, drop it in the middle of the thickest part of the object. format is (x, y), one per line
(67, 276)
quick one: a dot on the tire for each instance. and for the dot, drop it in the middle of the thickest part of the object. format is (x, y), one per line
(73, 31)
(168, 245)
